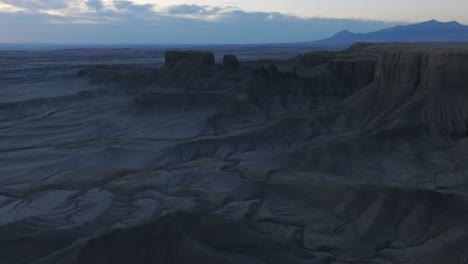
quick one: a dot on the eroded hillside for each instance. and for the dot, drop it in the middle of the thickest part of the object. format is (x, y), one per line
(355, 156)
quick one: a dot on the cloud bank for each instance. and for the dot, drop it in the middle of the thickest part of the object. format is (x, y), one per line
(124, 21)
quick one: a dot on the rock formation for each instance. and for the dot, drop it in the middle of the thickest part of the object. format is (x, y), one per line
(342, 72)
(428, 85)
(313, 59)
(353, 74)
(230, 61)
(361, 157)
(270, 72)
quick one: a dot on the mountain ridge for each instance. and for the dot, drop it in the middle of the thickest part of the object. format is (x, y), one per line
(428, 31)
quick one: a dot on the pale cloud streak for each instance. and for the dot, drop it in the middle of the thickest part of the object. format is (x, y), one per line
(33, 5)
(7, 8)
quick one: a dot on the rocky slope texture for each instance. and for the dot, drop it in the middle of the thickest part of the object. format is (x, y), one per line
(358, 157)
(417, 86)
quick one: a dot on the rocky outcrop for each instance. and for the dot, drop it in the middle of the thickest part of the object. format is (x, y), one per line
(192, 56)
(270, 72)
(313, 59)
(425, 86)
(355, 74)
(343, 72)
(230, 61)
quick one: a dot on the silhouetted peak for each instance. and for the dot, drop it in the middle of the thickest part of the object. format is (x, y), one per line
(344, 33)
(454, 23)
(435, 22)
(429, 23)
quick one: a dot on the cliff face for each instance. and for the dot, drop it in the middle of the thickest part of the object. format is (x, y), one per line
(354, 74)
(430, 87)
(316, 58)
(342, 72)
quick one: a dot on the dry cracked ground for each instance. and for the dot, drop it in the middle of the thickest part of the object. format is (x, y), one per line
(357, 156)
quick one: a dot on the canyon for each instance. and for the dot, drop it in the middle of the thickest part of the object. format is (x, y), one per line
(352, 156)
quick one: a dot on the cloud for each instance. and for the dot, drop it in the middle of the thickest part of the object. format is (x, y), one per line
(32, 5)
(124, 21)
(193, 10)
(95, 4)
(7, 8)
(124, 5)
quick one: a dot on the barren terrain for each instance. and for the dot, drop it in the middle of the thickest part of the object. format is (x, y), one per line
(356, 156)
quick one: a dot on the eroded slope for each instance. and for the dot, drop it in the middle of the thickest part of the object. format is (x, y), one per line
(356, 158)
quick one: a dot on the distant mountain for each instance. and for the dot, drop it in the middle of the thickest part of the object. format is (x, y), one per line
(430, 31)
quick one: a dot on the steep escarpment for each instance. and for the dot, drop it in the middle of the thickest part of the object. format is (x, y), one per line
(353, 74)
(424, 86)
(345, 72)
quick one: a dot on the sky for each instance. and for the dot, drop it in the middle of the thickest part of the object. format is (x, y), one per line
(209, 21)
